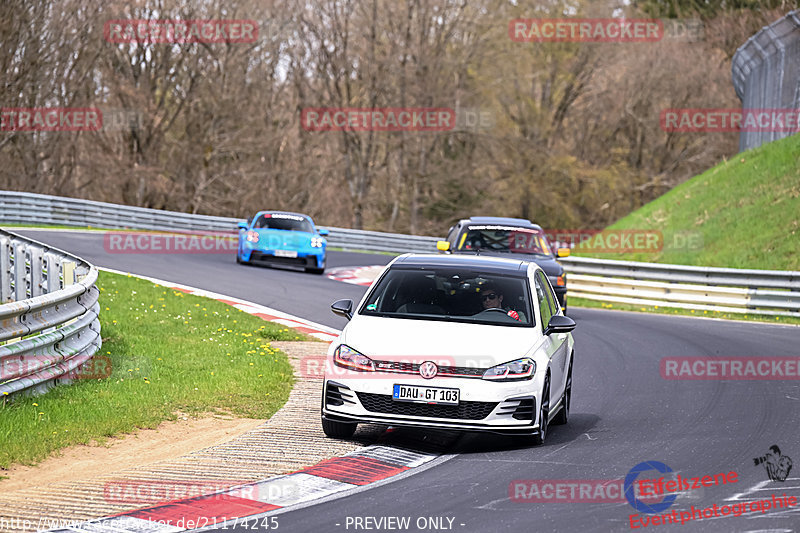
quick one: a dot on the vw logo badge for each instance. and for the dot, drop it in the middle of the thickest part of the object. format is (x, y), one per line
(428, 370)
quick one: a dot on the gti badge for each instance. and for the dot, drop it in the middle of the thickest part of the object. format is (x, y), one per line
(428, 370)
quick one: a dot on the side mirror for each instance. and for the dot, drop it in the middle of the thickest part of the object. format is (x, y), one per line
(344, 308)
(559, 324)
(442, 246)
(323, 231)
(563, 252)
(242, 225)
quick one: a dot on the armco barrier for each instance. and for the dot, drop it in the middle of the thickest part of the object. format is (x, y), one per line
(29, 208)
(729, 290)
(758, 292)
(49, 324)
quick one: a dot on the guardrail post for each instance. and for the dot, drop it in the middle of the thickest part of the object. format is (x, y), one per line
(5, 270)
(53, 283)
(37, 276)
(67, 273)
(20, 276)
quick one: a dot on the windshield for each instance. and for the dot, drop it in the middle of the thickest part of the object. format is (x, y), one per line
(503, 239)
(453, 295)
(283, 221)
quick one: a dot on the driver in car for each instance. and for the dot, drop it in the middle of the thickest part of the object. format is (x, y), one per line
(492, 298)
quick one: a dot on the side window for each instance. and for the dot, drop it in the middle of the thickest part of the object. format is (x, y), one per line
(551, 298)
(541, 297)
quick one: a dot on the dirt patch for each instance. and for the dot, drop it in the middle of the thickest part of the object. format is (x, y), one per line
(168, 441)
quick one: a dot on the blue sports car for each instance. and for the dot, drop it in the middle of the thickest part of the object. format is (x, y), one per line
(274, 237)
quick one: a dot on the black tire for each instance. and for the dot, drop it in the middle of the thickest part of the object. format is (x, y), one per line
(563, 415)
(338, 430)
(544, 412)
(313, 270)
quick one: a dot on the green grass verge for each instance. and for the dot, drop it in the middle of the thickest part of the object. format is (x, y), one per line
(743, 213)
(583, 302)
(170, 353)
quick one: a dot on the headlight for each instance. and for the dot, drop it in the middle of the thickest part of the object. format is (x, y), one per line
(316, 242)
(252, 236)
(512, 371)
(349, 358)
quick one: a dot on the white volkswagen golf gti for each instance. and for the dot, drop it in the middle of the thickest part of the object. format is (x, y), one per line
(446, 341)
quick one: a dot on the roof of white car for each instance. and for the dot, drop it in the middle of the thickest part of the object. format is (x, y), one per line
(481, 262)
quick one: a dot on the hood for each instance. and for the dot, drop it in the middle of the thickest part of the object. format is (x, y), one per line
(279, 238)
(449, 343)
(550, 266)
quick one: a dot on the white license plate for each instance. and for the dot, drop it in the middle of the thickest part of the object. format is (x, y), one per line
(285, 253)
(417, 394)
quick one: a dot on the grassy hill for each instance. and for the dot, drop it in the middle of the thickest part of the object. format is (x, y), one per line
(743, 213)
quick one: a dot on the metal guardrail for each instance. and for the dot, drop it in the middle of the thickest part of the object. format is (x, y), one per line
(729, 290)
(29, 208)
(759, 292)
(49, 311)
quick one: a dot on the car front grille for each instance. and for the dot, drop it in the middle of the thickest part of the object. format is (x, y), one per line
(380, 403)
(257, 256)
(444, 371)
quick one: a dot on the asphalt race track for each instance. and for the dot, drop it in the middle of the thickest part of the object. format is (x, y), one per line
(623, 413)
(289, 290)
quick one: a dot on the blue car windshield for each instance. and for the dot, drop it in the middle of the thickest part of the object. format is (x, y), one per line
(283, 221)
(453, 295)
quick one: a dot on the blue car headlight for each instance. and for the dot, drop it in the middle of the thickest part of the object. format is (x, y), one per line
(317, 242)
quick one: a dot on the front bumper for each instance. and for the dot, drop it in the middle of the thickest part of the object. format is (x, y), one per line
(313, 259)
(505, 408)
